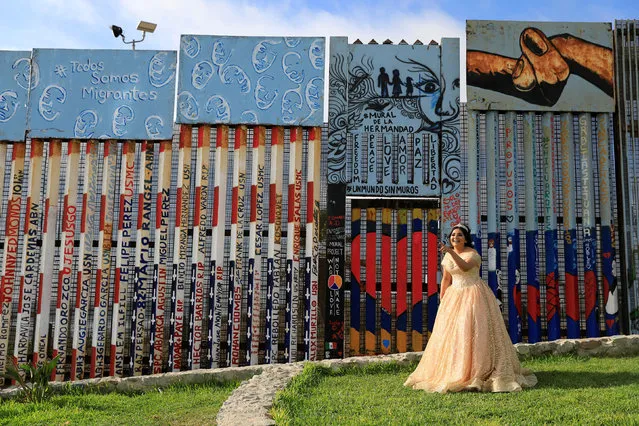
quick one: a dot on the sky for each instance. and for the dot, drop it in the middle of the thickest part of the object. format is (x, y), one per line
(84, 24)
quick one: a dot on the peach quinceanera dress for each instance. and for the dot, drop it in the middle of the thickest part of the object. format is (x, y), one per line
(469, 348)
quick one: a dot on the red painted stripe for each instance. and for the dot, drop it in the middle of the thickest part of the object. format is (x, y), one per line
(256, 137)
(253, 203)
(27, 213)
(275, 135)
(572, 302)
(590, 289)
(432, 264)
(185, 136)
(386, 273)
(216, 205)
(158, 208)
(74, 363)
(371, 264)
(197, 208)
(272, 200)
(200, 136)
(238, 138)
(417, 267)
(312, 133)
(356, 258)
(178, 207)
(234, 203)
(293, 134)
(402, 272)
(533, 302)
(291, 202)
(310, 201)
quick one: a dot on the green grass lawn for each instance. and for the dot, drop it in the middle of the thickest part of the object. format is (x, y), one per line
(176, 405)
(570, 390)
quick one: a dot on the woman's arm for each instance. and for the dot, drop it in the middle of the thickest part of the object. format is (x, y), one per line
(463, 264)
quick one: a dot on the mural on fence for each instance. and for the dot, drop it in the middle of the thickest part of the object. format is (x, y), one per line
(539, 66)
(393, 124)
(16, 77)
(626, 59)
(529, 67)
(250, 80)
(398, 101)
(103, 94)
(241, 84)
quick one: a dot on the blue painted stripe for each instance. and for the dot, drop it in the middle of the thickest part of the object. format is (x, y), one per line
(307, 308)
(289, 307)
(174, 278)
(590, 282)
(212, 290)
(514, 287)
(249, 306)
(269, 311)
(494, 275)
(610, 280)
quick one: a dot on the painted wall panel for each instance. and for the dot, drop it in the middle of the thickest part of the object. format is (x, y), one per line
(539, 66)
(106, 94)
(250, 80)
(391, 108)
(15, 73)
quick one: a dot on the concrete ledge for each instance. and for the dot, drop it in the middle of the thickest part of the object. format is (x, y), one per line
(613, 346)
(143, 383)
(252, 400)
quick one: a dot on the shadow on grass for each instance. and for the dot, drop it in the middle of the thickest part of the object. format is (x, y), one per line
(558, 379)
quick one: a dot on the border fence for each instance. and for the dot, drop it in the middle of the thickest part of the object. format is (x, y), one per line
(251, 232)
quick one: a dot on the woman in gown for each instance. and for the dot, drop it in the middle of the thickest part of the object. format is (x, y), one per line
(469, 348)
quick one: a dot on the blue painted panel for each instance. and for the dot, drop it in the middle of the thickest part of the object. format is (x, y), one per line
(114, 94)
(15, 72)
(251, 80)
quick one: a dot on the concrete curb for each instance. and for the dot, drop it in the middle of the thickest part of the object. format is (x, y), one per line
(250, 403)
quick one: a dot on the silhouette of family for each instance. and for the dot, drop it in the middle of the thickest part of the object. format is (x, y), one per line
(383, 81)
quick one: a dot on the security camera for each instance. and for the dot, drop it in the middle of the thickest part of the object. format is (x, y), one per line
(117, 31)
(147, 27)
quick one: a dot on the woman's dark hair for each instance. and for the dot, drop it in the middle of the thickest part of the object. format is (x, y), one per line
(466, 232)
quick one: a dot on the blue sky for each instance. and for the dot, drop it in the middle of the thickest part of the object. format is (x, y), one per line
(84, 23)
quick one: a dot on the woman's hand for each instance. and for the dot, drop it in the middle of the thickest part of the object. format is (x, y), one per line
(443, 248)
